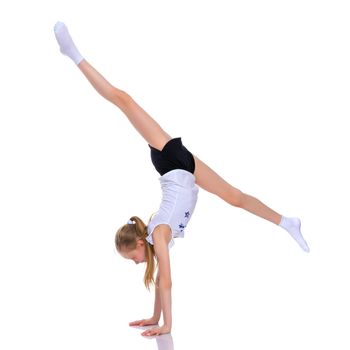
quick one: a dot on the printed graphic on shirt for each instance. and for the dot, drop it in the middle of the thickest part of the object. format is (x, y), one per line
(182, 225)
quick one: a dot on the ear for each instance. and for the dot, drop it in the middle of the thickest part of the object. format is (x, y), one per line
(140, 243)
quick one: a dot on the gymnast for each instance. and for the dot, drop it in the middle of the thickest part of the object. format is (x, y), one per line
(181, 175)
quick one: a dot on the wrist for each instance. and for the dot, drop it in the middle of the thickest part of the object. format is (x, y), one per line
(167, 327)
(156, 317)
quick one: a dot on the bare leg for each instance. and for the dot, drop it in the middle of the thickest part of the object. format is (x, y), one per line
(157, 137)
(210, 181)
(143, 122)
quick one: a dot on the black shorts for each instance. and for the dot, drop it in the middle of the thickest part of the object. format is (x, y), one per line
(174, 155)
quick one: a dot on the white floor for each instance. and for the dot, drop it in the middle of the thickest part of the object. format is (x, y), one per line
(267, 295)
(162, 342)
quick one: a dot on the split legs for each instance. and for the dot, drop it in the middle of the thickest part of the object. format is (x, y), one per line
(152, 132)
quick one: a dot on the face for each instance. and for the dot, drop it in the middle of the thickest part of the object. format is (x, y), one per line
(138, 254)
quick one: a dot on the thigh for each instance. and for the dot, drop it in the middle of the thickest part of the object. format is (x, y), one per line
(210, 181)
(148, 127)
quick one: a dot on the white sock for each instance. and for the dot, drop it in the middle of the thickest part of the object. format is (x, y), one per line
(292, 225)
(67, 46)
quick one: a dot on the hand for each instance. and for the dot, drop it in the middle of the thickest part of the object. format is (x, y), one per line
(145, 322)
(156, 331)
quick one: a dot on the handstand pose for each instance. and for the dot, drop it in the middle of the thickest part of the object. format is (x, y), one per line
(181, 172)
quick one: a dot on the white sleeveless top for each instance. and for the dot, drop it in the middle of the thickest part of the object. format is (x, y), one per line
(179, 198)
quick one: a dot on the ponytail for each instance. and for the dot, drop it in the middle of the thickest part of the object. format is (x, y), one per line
(126, 238)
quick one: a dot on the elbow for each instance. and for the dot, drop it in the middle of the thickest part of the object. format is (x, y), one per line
(167, 284)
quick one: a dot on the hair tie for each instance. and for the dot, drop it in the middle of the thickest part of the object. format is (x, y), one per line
(130, 222)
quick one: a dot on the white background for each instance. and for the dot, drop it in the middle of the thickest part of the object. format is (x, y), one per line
(259, 90)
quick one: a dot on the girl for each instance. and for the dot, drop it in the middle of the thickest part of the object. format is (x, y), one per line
(181, 174)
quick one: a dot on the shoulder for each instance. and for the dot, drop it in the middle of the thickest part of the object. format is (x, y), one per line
(162, 235)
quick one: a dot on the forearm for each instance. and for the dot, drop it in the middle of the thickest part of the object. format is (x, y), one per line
(157, 304)
(165, 297)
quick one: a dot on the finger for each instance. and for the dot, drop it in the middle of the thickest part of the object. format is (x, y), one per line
(146, 332)
(152, 331)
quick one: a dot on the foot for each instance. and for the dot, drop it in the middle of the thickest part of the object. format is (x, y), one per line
(65, 41)
(292, 226)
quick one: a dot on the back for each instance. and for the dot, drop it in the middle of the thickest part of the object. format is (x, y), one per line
(179, 198)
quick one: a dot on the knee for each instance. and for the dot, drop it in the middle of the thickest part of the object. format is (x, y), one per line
(236, 198)
(120, 97)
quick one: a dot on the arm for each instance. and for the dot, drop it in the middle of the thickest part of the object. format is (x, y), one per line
(154, 320)
(161, 239)
(157, 303)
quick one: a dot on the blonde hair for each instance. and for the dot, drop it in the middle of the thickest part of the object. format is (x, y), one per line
(126, 239)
